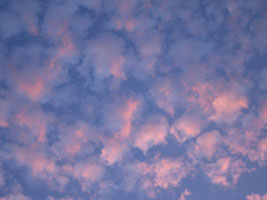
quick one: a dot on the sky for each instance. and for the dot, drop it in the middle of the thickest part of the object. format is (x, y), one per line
(133, 100)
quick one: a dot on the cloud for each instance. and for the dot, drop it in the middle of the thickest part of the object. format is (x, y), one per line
(206, 145)
(15, 197)
(163, 173)
(115, 147)
(219, 103)
(113, 151)
(125, 99)
(127, 116)
(74, 141)
(106, 56)
(3, 114)
(188, 126)
(262, 149)
(225, 171)
(165, 95)
(36, 121)
(87, 172)
(227, 106)
(151, 133)
(256, 197)
(38, 162)
(185, 194)
(2, 178)
(19, 18)
(249, 141)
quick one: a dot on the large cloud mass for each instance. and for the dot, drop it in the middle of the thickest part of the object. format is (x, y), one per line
(133, 99)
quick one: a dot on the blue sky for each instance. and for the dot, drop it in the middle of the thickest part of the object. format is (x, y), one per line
(133, 99)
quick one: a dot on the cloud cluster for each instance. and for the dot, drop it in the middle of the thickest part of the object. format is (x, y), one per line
(131, 99)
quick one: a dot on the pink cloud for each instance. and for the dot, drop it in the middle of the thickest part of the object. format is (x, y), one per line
(185, 194)
(169, 172)
(27, 13)
(64, 198)
(3, 114)
(67, 47)
(74, 141)
(31, 23)
(113, 151)
(115, 147)
(221, 103)
(225, 171)
(65, 53)
(150, 44)
(40, 81)
(206, 145)
(256, 197)
(227, 106)
(36, 121)
(262, 149)
(116, 67)
(127, 116)
(128, 23)
(15, 196)
(188, 126)
(248, 140)
(40, 165)
(203, 95)
(151, 133)
(2, 178)
(242, 142)
(163, 173)
(106, 53)
(86, 172)
(34, 89)
(164, 95)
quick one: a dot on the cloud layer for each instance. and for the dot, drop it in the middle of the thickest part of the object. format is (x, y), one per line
(133, 99)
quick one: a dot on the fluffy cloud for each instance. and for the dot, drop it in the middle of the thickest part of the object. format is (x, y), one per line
(151, 133)
(206, 145)
(185, 194)
(256, 197)
(163, 173)
(225, 171)
(125, 99)
(186, 127)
